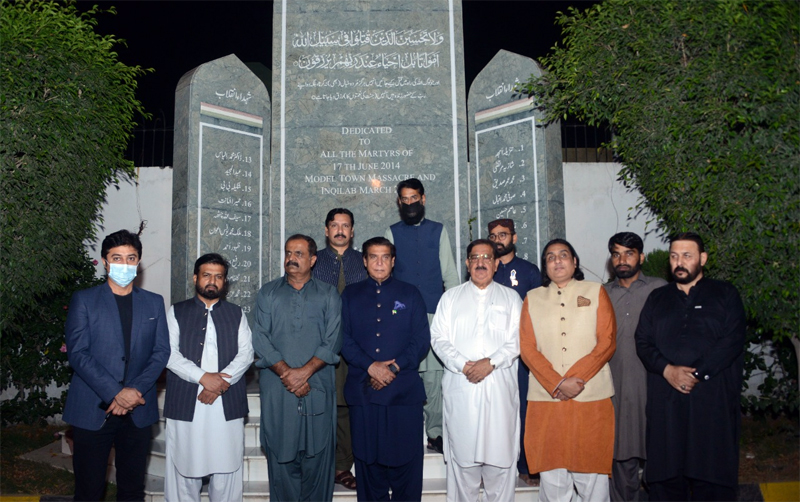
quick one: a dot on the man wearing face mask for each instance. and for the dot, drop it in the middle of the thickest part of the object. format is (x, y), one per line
(424, 259)
(117, 344)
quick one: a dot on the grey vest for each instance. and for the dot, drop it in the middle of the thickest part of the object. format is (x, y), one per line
(192, 318)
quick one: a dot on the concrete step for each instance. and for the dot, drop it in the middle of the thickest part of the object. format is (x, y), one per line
(433, 490)
(255, 463)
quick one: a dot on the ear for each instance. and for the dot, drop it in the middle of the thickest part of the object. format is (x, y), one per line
(514, 239)
(641, 258)
(313, 260)
(703, 259)
(423, 200)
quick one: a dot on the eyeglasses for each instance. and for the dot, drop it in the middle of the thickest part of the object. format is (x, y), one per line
(480, 257)
(499, 236)
(306, 404)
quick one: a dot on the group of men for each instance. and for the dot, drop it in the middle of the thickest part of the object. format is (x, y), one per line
(361, 354)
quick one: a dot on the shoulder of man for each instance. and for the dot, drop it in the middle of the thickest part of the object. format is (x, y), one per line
(149, 295)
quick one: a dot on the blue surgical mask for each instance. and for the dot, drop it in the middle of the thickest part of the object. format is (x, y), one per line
(122, 274)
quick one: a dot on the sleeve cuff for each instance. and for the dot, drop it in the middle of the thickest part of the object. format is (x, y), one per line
(326, 355)
(269, 360)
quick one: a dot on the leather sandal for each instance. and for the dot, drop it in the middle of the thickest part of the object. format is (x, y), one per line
(346, 479)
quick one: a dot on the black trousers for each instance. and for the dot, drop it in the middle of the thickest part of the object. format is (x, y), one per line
(375, 481)
(683, 488)
(90, 459)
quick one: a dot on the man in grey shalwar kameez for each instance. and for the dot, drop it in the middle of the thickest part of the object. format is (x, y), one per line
(628, 293)
(297, 337)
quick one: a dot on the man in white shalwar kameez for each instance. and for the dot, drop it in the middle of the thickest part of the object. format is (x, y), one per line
(206, 399)
(475, 333)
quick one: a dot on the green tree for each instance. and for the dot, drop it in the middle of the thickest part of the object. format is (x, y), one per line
(704, 99)
(66, 114)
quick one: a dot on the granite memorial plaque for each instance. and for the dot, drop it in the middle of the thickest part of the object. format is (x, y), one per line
(516, 159)
(366, 94)
(219, 193)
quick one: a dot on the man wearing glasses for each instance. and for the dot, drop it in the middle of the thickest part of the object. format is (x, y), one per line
(297, 339)
(521, 276)
(475, 333)
(425, 260)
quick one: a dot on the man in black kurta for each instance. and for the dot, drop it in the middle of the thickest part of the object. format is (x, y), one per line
(386, 335)
(691, 338)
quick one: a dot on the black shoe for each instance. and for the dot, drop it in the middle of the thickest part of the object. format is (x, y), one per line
(436, 445)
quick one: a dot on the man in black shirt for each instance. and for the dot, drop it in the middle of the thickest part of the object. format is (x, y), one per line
(340, 265)
(117, 344)
(691, 338)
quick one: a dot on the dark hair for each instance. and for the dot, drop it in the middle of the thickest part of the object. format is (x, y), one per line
(577, 275)
(121, 238)
(212, 258)
(626, 239)
(689, 236)
(339, 210)
(478, 242)
(503, 222)
(377, 241)
(412, 183)
(312, 244)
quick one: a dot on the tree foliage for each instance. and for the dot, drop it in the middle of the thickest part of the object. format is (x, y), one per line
(66, 113)
(704, 99)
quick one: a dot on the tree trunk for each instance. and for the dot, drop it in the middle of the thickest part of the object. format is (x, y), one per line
(796, 343)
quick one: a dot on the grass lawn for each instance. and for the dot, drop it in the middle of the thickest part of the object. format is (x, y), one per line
(769, 453)
(24, 477)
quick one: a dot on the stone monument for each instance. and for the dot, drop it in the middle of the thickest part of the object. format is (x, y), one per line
(219, 190)
(515, 157)
(366, 94)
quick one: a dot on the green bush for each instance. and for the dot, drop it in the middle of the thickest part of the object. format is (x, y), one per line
(66, 114)
(704, 99)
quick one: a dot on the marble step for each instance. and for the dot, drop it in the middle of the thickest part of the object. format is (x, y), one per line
(433, 490)
(255, 463)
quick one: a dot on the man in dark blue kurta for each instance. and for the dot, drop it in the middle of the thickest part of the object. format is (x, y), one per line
(521, 276)
(386, 335)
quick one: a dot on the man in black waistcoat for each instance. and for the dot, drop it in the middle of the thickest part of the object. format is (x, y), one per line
(211, 350)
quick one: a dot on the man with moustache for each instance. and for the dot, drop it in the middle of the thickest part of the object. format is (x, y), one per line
(211, 350)
(628, 292)
(340, 265)
(386, 335)
(521, 276)
(475, 332)
(425, 260)
(297, 340)
(691, 338)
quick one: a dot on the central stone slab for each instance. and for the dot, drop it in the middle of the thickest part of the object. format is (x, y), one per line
(366, 94)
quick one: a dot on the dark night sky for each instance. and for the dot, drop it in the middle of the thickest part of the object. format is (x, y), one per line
(172, 37)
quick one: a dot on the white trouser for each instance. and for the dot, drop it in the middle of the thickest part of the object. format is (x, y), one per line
(558, 485)
(464, 483)
(223, 487)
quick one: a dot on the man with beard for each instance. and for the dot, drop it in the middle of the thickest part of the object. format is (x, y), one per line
(476, 334)
(211, 350)
(340, 265)
(628, 292)
(424, 259)
(297, 340)
(521, 276)
(691, 338)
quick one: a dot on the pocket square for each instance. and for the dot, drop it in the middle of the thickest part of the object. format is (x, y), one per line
(398, 305)
(584, 302)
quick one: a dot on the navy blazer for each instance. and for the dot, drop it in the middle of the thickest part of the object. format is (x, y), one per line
(96, 353)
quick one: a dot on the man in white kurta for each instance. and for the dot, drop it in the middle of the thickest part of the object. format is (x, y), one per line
(209, 444)
(475, 333)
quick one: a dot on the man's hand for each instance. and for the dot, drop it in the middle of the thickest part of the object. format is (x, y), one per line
(380, 374)
(680, 377)
(207, 397)
(128, 399)
(571, 387)
(303, 391)
(116, 409)
(215, 383)
(294, 379)
(478, 370)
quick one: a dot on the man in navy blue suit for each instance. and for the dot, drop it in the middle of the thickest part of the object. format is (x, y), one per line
(118, 345)
(386, 335)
